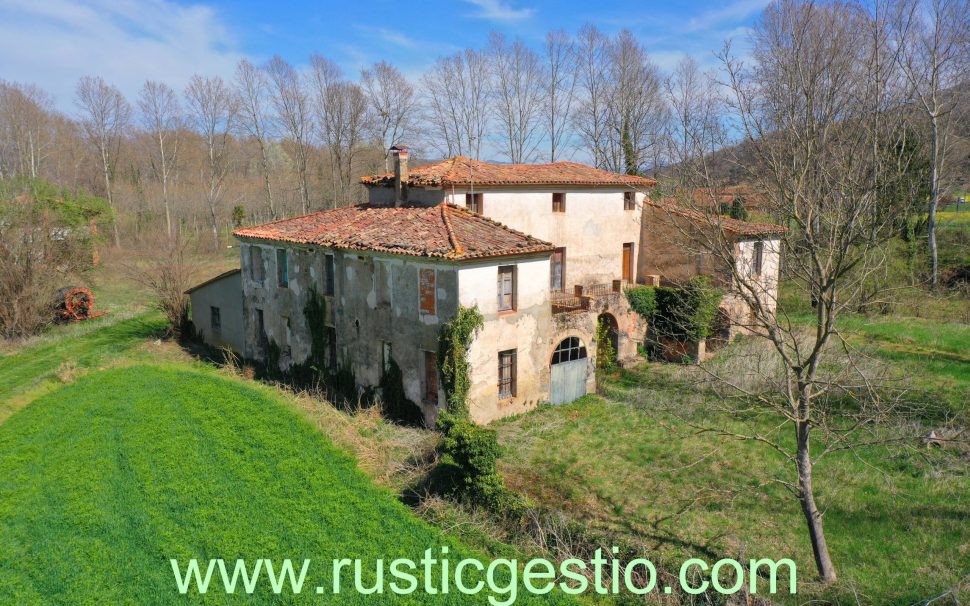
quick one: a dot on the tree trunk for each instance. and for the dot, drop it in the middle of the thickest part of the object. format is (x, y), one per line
(934, 201)
(813, 517)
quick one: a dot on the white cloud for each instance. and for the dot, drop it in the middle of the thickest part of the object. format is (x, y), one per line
(55, 42)
(499, 10)
(388, 36)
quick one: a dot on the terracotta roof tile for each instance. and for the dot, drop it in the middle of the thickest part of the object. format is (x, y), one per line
(465, 171)
(732, 226)
(444, 231)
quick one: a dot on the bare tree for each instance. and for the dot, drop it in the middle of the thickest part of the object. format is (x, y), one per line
(26, 130)
(292, 104)
(341, 109)
(591, 118)
(105, 114)
(818, 110)
(162, 117)
(252, 89)
(559, 87)
(933, 38)
(393, 103)
(517, 94)
(457, 102)
(635, 109)
(213, 110)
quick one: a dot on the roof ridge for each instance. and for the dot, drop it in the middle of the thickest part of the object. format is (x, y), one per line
(452, 236)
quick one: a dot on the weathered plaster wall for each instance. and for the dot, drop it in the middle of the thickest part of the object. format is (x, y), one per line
(527, 329)
(593, 229)
(226, 294)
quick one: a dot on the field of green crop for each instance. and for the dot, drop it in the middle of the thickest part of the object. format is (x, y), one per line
(106, 479)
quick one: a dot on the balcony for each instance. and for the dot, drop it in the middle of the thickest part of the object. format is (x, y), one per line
(584, 296)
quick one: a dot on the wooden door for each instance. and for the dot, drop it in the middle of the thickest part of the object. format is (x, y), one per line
(628, 262)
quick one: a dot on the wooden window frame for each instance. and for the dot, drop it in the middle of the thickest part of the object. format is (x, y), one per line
(629, 200)
(474, 202)
(504, 270)
(507, 374)
(561, 251)
(282, 268)
(558, 202)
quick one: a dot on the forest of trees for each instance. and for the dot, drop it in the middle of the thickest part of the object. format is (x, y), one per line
(274, 139)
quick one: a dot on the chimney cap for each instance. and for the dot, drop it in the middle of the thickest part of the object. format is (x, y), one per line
(397, 149)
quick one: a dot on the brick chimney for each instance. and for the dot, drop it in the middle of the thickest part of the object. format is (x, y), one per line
(400, 154)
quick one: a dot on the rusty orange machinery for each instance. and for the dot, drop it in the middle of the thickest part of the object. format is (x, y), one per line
(73, 304)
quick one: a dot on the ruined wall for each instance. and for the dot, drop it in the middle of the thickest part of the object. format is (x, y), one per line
(593, 229)
(375, 301)
(527, 329)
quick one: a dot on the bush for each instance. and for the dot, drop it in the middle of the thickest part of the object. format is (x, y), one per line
(473, 453)
(453, 343)
(685, 314)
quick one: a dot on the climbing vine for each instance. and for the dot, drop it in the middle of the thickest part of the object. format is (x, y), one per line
(605, 354)
(453, 342)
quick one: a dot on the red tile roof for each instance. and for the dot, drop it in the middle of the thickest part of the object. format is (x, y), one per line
(731, 226)
(444, 231)
(465, 171)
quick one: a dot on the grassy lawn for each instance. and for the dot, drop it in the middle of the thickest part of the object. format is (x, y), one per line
(66, 351)
(105, 479)
(898, 525)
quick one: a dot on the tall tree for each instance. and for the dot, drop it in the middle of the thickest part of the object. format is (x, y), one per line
(213, 110)
(393, 104)
(291, 100)
(816, 108)
(932, 36)
(252, 90)
(162, 118)
(518, 97)
(591, 117)
(457, 102)
(105, 114)
(635, 108)
(559, 86)
(27, 131)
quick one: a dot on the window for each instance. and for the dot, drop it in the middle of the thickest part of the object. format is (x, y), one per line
(759, 257)
(215, 319)
(427, 292)
(329, 274)
(430, 377)
(506, 374)
(282, 268)
(256, 270)
(569, 349)
(557, 270)
(473, 202)
(559, 202)
(629, 200)
(506, 288)
(331, 334)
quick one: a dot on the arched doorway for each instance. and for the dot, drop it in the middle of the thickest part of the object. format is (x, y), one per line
(608, 340)
(568, 368)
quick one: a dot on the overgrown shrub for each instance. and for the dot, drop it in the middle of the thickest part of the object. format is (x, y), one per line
(605, 353)
(686, 314)
(165, 269)
(453, 342)
(473, 451)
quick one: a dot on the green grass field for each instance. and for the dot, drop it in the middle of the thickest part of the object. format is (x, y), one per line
(898, 524)
(105, 479)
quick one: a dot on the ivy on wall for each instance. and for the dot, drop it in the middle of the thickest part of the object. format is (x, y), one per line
(685, 314)
(453, 342)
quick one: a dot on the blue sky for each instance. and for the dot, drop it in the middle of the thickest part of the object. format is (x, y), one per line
(53, 42)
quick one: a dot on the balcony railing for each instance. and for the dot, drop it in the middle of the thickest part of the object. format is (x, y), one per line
(564, 303)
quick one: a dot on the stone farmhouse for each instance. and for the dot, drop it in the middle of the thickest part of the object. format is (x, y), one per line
(544, 251)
